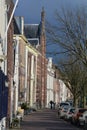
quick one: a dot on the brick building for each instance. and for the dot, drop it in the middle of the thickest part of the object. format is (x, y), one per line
(10, 59)
(35, 33)
(6, 7)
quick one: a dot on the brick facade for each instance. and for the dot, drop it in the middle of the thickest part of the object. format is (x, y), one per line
(41, 67)
(10, 55)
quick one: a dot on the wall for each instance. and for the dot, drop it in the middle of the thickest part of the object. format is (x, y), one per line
(50, 82)
(10, 61)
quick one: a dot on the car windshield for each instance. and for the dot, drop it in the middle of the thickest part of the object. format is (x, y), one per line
(64, 104)
(72, 110)
(66, 108)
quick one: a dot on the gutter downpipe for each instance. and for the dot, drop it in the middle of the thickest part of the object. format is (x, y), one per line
(16, 3)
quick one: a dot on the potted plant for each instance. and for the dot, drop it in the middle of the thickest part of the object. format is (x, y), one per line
(15, 122)
(25, 107)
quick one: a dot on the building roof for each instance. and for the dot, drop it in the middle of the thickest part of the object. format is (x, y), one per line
(32, 33)
(32, 30)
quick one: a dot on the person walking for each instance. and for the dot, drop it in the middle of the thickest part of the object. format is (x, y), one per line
(51, 104)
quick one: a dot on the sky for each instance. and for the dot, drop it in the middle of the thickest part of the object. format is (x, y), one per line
(31, 9)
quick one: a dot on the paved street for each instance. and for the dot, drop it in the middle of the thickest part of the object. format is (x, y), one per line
(45, 120)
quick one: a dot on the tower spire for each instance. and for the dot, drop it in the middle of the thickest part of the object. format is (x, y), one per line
(43, 20)
(42, 15)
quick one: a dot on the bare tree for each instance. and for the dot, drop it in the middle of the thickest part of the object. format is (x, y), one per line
(74, 76)
(70, 33)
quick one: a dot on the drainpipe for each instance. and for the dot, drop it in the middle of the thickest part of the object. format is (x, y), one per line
(16, 3)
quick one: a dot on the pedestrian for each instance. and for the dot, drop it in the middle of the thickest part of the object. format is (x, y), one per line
(51, 104)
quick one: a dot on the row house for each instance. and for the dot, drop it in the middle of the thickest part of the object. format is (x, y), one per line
(24, 66)
(65, 93)
(24, 63)
(29, 63)
(50, 82)
(36, 35)
(56, 84)
(56, 89)
(24, 72)
(62, 91)
(6, 38)
(53, 85)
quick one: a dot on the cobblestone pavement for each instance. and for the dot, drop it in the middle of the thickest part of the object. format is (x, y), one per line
(45, 120)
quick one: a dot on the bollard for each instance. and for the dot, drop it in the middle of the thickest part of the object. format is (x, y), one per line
(85, 126)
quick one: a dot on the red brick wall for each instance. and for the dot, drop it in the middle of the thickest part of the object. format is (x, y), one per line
(38, 89)
(10, 55)
(41, 67)
(41, 80)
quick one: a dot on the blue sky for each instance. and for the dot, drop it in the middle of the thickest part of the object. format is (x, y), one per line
(31, 9)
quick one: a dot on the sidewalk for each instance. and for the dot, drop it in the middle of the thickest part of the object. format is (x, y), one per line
(45, 119)
(39, 120)
(39, 110)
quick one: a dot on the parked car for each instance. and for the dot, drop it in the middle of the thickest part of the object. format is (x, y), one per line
(75, 116)
(69, 113)
(70, 101)
(63, 111)
(83, 118)
(62, 104)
